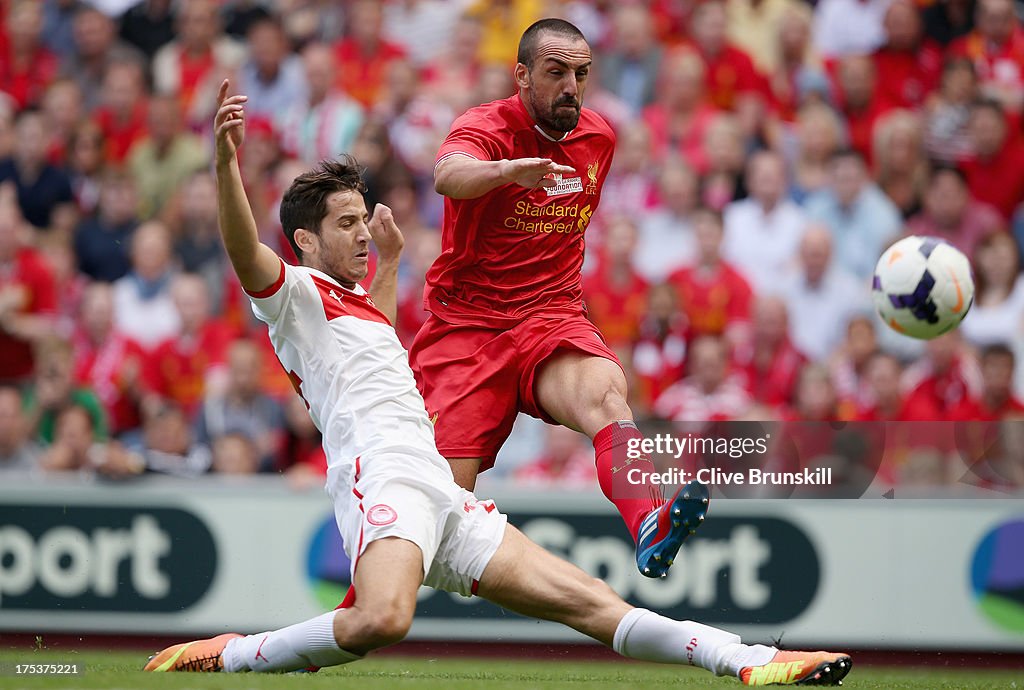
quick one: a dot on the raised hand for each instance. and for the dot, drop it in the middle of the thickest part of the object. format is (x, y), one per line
(533, 172)
(385, 233)
(228, 123)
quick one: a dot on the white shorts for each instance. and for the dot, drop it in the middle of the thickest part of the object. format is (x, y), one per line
(399, 495)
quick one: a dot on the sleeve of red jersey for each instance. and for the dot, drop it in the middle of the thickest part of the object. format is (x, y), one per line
(472, 135)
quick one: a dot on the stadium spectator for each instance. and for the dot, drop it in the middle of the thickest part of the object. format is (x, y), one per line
(849, 27)
(143, 307)
(730, 76)
(364, 57)
(796, 77)
(197, 245)
(148, 25)
(630, 185)
(995, 171)
(888, 401)
(68, 282)
(945, 377)
(566, 461)
(108, 362)
(96, 47)
(909, 64)
(823, 293)
(309, 21)
(62, 110)
(996, 46)
(767, 361)
(763, 231)
(58, 23)
(816, 398)
(753, 26)
(501, 24)
(950, 213)
(996, 400)
(121, 113)
(997, 315)
(74, 445)
(455, 73)
(27, 296)
(848, 363)
(710, 392)
(242, 407)
(192, 65)
(272, 76)
(858, 102)
(422, 27)
(85, 165)
(26, 65)
(659, 354)
(166, 158)
(168, 446)
(239, 16)
(615, 293)
(234, 454)
(326, 123)
(631, 63)
(190, 363)
(679, 117)
(819, 135)
(713, 296)
(102, 240)
(302, 456)
(724, 150)
(901, 167)
(666, 242)
(17, 451)
(947, 20)
(55, 389)
(42, 188)
(948, 113)
(862, 220)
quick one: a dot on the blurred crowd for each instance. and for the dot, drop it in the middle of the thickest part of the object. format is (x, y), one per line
(768, 151)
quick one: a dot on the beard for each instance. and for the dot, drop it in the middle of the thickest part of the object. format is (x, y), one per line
(554, 117)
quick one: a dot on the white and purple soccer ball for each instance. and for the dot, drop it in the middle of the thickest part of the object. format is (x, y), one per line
(923, 287)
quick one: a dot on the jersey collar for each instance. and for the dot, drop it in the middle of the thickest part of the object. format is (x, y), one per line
(521, 107)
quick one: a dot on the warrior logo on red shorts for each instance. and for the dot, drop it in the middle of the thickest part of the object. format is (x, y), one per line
(381, 515)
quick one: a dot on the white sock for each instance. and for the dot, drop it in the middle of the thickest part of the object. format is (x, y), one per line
(310, 643)
(645, 635)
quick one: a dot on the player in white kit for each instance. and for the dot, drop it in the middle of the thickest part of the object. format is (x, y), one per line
(403, 519)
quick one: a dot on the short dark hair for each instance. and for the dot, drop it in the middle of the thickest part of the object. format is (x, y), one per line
(945, 167)
(304, 205)
(990, 104)
(528, 43)
(998, 350)
(847, 153)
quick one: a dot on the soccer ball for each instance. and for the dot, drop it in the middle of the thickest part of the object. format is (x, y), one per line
(923, 287)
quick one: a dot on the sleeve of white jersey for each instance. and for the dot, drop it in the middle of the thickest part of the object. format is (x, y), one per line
(268, 304)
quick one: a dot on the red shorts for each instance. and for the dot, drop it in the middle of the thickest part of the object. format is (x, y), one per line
(475, 380)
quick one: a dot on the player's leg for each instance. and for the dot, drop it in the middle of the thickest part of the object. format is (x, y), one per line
(586, 390)
(387, 578)
(525, 578)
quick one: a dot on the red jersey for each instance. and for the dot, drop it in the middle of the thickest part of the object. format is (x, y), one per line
(731, 74)
(976, 410)
(517, 252)
(712, 300)
(617, 308)
(30, 279)
(999, 180)
(104, 369)
(905, 79)
(180, 365)
(775, 385)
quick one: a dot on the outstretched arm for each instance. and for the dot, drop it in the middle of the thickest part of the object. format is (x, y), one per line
(462, 177)
(256, 264)
(389, 242)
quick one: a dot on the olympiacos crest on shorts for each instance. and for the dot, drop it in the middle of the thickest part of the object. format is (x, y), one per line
(381, 514)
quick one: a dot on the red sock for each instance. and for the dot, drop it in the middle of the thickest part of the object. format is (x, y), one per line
(634, 501)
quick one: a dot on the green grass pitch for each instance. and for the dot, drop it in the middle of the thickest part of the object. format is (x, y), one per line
(114, 670)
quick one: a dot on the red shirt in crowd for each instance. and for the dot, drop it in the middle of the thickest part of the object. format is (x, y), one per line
(690, 145)
(121, 136)
(659, 359)
(28, 280)
(731, 74)
(515, 252)
(26, 83)
(712, 299)
(616, 308)
(976, 410)
(774, 386)
(999, 66)
(904, 79)
(999, 180)
(361, 74)
(108, 370)
(179, 366)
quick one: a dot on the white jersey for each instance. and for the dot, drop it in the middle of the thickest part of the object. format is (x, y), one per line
(347, 363)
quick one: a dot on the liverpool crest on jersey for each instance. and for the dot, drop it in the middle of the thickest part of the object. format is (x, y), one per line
(592, 176)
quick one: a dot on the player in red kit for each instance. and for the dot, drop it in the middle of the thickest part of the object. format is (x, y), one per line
(508, 330)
